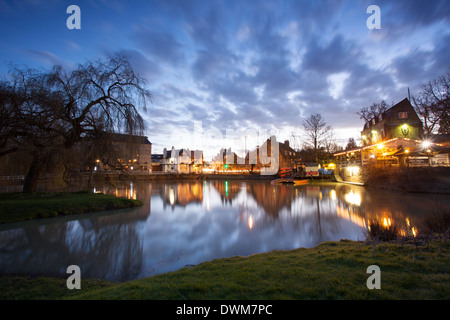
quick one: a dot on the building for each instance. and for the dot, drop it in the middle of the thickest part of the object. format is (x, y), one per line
(399, 121)
(182, 161)
(156, 162)
(287, 158)
(133, 152)
(393, 138)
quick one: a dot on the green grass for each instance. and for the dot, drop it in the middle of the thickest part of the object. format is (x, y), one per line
(15, 207)
(332, 270)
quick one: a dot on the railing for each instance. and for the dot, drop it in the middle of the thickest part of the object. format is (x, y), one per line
(12, 178)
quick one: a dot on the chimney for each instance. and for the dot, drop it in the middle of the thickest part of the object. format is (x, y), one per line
(286, 143)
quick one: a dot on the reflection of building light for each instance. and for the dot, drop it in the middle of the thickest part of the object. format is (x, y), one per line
(386, 222)
(414, 231)
(333, 194)
(250, 222)
(226, 188)
(346, 214)
(171, 197)
(353, 198)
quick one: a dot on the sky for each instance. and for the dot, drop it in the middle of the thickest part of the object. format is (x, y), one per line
(226, 73)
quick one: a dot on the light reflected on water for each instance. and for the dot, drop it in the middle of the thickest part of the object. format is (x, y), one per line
(189, 222)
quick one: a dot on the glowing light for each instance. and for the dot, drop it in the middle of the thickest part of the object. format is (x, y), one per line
(353, 170)
(333, 194)
(250, 222)
(171, 197)
(226, 188)
(386, 222)
(414, 231)
(406, 151)
(380, 146)
(353, 198)
(426, 144)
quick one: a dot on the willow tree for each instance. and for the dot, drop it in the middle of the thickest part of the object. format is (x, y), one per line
(54, 110)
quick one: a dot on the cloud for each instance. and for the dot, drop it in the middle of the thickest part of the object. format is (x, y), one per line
(160, 45)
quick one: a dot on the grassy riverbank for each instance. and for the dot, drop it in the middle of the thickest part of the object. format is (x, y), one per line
(15, 207)
(416, 270)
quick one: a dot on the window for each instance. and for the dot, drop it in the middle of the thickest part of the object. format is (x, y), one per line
(403, 115)
(380, 117)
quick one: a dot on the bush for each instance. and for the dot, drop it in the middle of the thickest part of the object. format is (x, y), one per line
(380, 232)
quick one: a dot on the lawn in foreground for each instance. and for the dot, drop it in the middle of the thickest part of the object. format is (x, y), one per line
(15, 207)
(332, 270)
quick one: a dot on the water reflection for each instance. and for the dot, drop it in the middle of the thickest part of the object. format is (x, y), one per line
(184, 223)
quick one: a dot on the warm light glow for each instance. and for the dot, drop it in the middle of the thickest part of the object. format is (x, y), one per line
(380, 146)
(171, 197)
(426, 144)
(406, 151)
(250, 222)
(414, 231)
(353, 170)
(353, 198)
(333, 194)
(386, 222)
(98, 160)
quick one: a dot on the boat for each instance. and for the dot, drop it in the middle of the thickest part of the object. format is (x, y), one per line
(290, 180)
(280, 180)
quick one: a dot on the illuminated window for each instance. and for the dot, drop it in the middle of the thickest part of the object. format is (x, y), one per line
(403, 115)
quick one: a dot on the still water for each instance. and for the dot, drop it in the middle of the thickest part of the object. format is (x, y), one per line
(185, 223)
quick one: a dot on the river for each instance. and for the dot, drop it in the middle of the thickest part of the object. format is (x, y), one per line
(185, 223)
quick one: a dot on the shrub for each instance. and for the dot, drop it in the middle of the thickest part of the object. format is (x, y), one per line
(380, 232)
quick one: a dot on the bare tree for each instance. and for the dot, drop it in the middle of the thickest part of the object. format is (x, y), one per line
(55, 110)
(432, 104)
(316, 132)
(368, 113)
(351, 144)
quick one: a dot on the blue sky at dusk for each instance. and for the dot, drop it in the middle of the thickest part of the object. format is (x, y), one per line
(242, 66)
